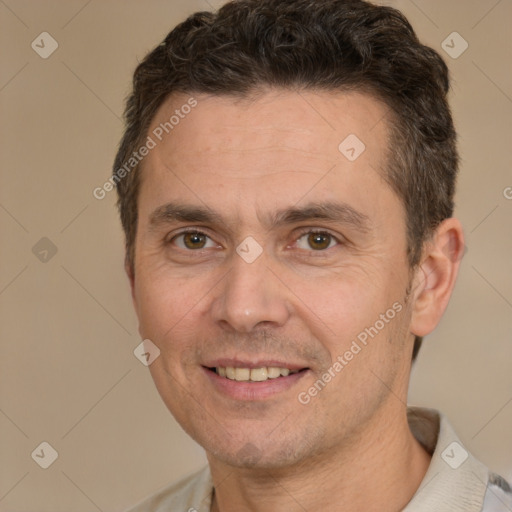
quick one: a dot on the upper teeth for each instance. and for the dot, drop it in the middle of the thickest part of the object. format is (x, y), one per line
(253, 374)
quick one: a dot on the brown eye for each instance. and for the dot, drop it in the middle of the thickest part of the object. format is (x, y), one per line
(319, 241)
(193, 240)
(316, 240)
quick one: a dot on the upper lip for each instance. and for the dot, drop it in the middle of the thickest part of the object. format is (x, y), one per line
(253, 364)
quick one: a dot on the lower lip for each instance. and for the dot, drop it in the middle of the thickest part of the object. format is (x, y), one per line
(252, 391)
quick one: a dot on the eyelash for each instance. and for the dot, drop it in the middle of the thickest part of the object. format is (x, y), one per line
(300, 235)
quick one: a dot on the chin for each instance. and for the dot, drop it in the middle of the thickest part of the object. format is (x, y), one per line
(258, 455)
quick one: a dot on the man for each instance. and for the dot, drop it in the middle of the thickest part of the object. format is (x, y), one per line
(286, 184)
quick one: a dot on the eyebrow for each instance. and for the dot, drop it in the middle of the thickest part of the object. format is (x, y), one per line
(336, 212)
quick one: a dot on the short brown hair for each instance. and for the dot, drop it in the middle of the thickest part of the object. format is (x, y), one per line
(332, 45)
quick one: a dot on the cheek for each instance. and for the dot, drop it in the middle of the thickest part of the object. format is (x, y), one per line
(342, 301)
(173, 311)
(162, 302)
(355, 307)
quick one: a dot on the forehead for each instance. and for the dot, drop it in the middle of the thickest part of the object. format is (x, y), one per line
(268, 149)
(307, 121)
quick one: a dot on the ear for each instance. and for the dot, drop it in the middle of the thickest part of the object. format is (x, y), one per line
(435, 277)
(129, 268)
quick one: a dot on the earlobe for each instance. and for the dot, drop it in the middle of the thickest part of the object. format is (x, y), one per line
(436, 275)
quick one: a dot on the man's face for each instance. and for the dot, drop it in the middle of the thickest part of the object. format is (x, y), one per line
(267, 175)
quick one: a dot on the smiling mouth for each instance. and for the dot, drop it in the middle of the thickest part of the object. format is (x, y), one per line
(254, 374)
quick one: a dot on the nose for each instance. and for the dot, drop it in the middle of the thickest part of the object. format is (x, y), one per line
(250, 296)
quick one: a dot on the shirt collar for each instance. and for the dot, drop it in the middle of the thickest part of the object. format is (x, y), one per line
(455, 481)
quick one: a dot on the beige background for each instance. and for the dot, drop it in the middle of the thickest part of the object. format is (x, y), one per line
(68, 373)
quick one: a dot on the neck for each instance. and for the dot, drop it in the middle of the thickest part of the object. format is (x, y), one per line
(380, 470)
